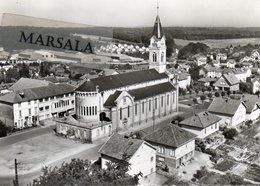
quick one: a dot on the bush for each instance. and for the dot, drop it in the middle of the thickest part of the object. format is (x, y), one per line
(4, 129)
(230, 133)
(178, 119)
(217, 94)
(201, 173)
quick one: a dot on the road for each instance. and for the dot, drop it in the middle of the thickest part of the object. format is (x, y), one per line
(9, 140)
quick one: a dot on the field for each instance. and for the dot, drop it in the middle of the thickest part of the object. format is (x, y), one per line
(220, 43)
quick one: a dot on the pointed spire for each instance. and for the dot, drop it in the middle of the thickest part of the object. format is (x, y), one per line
(157, 29)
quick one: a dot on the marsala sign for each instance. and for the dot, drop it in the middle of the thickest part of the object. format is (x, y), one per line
(59, 42)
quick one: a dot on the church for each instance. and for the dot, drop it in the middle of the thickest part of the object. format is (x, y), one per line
(121, 102)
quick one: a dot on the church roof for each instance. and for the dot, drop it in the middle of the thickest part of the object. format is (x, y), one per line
(122, 80)
(157, 28)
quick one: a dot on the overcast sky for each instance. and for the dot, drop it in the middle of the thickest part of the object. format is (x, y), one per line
(135, 13)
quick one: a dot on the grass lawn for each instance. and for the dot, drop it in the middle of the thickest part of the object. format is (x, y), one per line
(36, 152)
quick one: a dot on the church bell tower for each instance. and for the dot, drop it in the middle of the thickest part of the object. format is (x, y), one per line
(157, 47)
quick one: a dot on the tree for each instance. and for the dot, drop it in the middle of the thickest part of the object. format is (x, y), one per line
(210, 95)
(223, 93)
(3, 129)
(203, 90)
(217, 94)
(197, 91)
(24, 71)
(202, 98)
(194, 72)
(228, 92)
(230, 133)
(192, 49)
(195, 101)
(82, 172)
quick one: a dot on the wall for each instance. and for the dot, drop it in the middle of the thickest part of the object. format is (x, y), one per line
(203, 133)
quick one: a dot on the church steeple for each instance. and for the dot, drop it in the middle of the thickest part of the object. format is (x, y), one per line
(157, 28)
(157, 48)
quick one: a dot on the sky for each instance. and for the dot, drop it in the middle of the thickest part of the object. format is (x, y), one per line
(138, 13)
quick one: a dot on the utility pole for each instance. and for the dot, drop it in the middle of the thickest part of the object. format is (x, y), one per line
(15, 181)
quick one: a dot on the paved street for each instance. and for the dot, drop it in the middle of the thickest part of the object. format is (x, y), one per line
(24, 135)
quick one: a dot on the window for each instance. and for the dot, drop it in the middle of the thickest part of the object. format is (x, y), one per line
(20, 113)
(84, 111)
(124, 100)
(205, 131)
(161, 150)
(46, 99)
(120, 110)
(162, 56)
(47, 107)
(72, 101)
(29, 111)
(161, 101)
(154, 57)
(81, 111)
(216, 126)
(136, 109)
(40, 100)
(143, 107)
(90, 113)
(173, 97)
(95, 110)
(172, 153)
(155, 103)
(168, 99)
(152, 159)
(149, 105)
(41, 109)
(87, 111)
(128, 111)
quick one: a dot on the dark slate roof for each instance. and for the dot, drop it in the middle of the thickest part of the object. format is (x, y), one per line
(201, 120)
(117, 145)
(121, 80)
(151, 91)
(171, 135)
(157, 28)
(225, 106)
(25, 83)
(37, 93)
(141, 93)
(110, 102)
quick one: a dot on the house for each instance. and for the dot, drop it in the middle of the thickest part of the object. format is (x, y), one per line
(140, 155)
(29, 104)
(227, 82)
(255, 54)
(221, 56)
(201, 60)
(201, 124)
(210, 71)
(175, 146)
(253, 106)
(208, 81)
(184, 78)
(255, 85)
(227, 63)
(232, 111)
(242, 73)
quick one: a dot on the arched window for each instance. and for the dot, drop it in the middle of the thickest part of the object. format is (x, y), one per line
(154, 57)
(162, 56)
